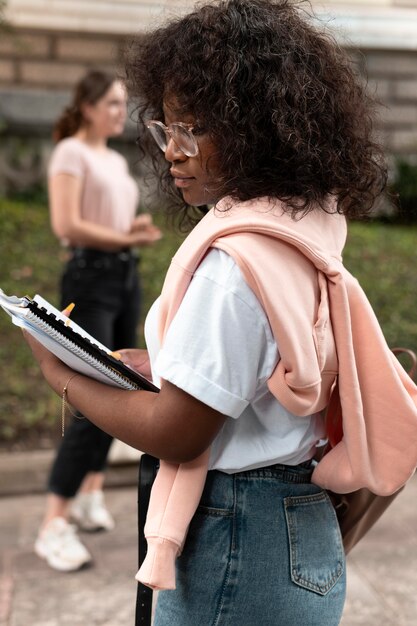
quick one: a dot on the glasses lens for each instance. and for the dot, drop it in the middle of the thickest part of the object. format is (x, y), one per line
(158, 134)
(184, 139)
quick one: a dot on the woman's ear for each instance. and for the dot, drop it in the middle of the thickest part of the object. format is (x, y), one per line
(86, 109)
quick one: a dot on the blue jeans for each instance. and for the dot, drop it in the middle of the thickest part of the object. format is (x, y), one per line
(106, 291)
(263, 549)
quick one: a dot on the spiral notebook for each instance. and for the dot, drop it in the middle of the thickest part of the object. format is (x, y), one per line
(71, 343)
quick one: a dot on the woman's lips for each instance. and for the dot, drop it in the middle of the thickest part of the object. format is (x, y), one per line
(183, 182)
(180, 180)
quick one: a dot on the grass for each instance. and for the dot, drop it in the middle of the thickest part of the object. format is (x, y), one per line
(381, 256)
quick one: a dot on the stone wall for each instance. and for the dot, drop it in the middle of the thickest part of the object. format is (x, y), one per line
(393, 77)
(54, 60)
(40, 65)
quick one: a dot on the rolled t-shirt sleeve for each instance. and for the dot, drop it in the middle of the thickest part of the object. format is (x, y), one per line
(218, 347)
(67, 158)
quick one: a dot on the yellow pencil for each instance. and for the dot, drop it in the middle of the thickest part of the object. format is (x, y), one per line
(68, 309)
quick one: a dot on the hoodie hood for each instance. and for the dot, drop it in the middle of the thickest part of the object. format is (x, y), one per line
(282, 260)
(320, 234)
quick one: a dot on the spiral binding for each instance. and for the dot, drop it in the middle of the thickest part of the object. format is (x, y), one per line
(116, 377)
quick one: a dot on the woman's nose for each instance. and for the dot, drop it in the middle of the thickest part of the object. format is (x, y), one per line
(173, 152)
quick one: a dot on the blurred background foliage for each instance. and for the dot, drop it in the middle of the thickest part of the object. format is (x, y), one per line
(404, 189)
(381, 254)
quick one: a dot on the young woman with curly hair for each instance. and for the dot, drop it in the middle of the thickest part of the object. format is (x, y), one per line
(252, 108)
(284, 109)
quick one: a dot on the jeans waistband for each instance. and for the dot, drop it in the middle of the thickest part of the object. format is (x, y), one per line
(300, 473)
(90, 254)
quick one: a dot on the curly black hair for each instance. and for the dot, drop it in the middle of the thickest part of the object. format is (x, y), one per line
(285, 109)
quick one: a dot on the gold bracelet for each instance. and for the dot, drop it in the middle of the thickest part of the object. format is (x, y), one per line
(64, 403)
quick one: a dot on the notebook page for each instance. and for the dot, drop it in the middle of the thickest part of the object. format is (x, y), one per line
(93, 369)
(71, 343)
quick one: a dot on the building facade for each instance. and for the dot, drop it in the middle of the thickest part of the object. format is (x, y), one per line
(47, 45)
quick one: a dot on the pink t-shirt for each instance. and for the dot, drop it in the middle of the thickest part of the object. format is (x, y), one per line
(109, 194)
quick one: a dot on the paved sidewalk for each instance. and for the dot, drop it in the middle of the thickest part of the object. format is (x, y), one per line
(31, 594)
(382, 570)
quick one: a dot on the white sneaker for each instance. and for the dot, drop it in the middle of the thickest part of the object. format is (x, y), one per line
(90, 513)
(59, 545)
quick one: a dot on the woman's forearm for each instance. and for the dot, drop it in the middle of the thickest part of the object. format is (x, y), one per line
(171, 425)
(126, 415)
(91, 235)
(68, 223)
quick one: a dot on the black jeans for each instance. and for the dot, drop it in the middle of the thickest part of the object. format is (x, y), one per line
(106, 291)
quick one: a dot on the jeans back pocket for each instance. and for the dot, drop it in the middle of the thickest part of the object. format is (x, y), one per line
(316, 549)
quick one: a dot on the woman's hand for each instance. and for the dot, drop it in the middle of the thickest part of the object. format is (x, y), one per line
(144, 231)
(142, 221)
(138, 360)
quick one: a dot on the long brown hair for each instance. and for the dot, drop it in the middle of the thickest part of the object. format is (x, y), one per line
(89, 90)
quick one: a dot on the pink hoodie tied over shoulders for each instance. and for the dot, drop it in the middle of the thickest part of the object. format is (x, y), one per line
(325, 330)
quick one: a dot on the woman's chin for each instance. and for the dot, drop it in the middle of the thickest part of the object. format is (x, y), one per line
(197, 200)
(189, 198)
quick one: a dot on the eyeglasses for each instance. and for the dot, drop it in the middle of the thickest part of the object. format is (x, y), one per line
(181, 134)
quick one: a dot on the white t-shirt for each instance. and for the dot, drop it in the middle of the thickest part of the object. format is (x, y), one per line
(219, 348)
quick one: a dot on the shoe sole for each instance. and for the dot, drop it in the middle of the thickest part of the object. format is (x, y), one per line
(58, 565)
(90, 528)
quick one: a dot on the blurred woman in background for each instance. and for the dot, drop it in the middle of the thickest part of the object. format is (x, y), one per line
(93, 203)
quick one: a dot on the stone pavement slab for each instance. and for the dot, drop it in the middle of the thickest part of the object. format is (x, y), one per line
(31, 594)
(382, 569)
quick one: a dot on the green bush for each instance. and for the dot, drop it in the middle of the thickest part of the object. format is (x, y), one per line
(404, 192)
(382, 256)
